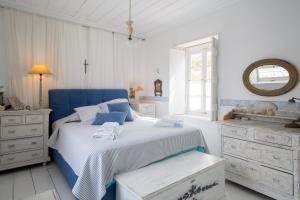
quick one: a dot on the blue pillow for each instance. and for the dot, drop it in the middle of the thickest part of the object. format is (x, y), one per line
(121, 107)
(101, 118)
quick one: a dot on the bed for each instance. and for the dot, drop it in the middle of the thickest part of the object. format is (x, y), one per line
(84, 161)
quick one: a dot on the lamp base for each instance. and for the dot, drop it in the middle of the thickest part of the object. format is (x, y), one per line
(292, 125)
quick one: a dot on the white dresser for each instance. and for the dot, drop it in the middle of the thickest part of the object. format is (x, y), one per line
(144, 108)
(263, 156)
(189, 176)
(23, 138)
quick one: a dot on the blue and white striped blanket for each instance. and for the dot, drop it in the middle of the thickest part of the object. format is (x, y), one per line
(97, 162)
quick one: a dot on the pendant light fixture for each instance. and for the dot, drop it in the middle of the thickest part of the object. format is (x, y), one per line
(130, 23)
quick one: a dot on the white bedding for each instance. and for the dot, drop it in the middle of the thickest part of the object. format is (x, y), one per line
(140, 143)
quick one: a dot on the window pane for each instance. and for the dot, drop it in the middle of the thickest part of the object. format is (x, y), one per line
(195, 88)
(208, 73)
(196, 60)
(194, 103)
(195, 74)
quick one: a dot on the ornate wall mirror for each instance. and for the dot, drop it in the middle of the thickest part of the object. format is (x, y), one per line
(270, 77)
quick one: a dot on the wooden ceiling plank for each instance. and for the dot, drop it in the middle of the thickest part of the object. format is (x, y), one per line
(89, 7)
(57, 5)
(108, 6)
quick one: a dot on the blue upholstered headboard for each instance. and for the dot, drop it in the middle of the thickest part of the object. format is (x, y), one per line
(63, 101)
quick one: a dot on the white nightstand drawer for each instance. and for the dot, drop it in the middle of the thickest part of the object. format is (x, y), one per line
(21, 144)
(21, 131)
(278, 157)
(235, 132)
(278, 180)
(19, 157)
(271, 137)
(11, 120)
(147, 108)
(34, 119)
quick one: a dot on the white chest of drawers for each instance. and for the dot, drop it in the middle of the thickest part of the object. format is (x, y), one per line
(263, 156)
(146, 109)
(23, 138)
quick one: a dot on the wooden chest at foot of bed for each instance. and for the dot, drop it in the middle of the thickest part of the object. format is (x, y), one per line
(190, 176)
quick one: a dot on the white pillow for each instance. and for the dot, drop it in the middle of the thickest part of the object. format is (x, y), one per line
(88, 114)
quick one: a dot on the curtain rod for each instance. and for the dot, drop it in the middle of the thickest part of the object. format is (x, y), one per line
(73, 21)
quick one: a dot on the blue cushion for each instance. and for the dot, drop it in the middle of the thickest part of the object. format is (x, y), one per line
(101, 118)
(121, 107)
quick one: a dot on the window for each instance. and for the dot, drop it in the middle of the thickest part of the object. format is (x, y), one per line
(198, 81)
(193, 79)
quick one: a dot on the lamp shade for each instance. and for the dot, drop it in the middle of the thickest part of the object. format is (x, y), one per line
(139, 89)
(40, 69)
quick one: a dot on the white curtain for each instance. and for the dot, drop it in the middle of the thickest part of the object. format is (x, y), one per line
(32, 39)
(128, 62)
(100, 72)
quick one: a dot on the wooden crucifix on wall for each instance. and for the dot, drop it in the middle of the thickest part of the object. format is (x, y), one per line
(85, 66)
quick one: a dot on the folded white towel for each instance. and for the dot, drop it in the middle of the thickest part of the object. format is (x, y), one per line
(169, 122)
(108, 131)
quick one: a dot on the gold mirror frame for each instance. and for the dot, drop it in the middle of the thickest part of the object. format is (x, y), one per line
(293, 74)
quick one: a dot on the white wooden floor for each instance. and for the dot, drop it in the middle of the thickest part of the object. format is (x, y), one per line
(23, 182)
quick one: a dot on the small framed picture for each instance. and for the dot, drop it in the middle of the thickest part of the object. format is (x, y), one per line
(1, 99)
(158, 87)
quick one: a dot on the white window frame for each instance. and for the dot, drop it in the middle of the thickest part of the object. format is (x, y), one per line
(204, 48)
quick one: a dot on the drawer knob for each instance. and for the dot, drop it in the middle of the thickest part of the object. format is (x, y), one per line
(276, 157)
(232, 165)
(11, 146)
(34, 154)
(33, 142)
(11, 120)
(253, 148)
(233, 146)
(34, 129)
(270, 137)
(11, 159)
(252, 169)
(276, 180)
(11, 132)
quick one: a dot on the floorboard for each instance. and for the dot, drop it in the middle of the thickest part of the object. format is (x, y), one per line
(60, 183)
(6, 186)
(41, 179)
(23, 182)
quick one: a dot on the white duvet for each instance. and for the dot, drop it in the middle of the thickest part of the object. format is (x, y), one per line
(95, 162)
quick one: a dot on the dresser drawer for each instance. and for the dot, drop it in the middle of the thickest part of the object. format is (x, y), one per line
(21, 131)
(233, 165)
(19, 157)
(234, 146)
(278, 180)
(34, 119)
(278, 157)
(235, 131)
(11, 120)
(251, 171)
(271, 137)
(20, 144)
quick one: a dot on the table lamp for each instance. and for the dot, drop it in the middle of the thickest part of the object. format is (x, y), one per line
(295, 123)
(40, 69)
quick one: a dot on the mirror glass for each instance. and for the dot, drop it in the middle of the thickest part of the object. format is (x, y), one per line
(269, 77)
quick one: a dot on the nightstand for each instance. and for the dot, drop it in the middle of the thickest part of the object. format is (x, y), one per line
(23, 138)
(144, 108)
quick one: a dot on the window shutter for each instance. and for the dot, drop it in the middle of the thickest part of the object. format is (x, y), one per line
(214, 82)
(177, 82)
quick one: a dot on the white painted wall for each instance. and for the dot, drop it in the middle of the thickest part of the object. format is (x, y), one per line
(248, 31)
